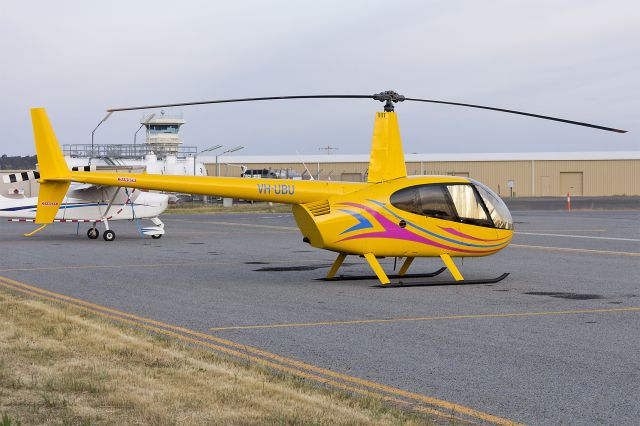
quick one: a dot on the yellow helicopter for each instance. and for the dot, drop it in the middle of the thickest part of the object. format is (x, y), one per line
(390, 215)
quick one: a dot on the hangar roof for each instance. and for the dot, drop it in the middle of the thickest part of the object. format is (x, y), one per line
(482, 156)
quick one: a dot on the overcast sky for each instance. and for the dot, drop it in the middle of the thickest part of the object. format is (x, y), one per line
(577, 59)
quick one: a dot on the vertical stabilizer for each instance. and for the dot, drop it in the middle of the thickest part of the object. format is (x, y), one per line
(387, 157)
(54, 172)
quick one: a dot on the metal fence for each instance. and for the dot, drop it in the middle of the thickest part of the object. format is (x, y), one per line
(128, 151)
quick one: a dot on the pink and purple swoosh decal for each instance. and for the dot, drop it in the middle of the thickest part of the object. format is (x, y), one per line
(468, 237)
(393, 231)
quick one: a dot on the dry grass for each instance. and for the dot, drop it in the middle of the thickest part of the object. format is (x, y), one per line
(59, 365)
(186, 208)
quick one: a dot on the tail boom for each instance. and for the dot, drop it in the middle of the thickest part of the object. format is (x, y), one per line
(275, 190)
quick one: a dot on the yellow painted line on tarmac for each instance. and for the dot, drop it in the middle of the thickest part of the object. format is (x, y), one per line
(559, 230)
(435, 318)
(589, 237)
(262, 357)
(159, 265)
(242, 225)
(234, 232)
(120, 265)
(577, 250)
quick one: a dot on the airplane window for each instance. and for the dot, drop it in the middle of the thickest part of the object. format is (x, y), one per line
(407, 199)
(425, 200)
(497, 208)
(434, 202)
(468, 205)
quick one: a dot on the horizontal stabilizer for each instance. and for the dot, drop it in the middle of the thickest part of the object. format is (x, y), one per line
(20, 177)
(90, 168)
(50, 198)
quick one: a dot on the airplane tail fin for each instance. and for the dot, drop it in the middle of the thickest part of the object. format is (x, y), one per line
(55, 177)
(387, 156)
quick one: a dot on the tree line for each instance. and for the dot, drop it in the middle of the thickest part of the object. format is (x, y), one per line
(28, 162)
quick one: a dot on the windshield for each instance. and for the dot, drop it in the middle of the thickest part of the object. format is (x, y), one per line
(497, 208)
(468, 205)
(473, 203)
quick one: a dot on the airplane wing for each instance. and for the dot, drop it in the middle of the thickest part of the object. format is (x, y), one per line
(84, 186)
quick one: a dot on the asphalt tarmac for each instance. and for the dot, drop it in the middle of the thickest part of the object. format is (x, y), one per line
(556, 342)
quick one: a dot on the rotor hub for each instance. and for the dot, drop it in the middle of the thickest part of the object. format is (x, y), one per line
(389, 98)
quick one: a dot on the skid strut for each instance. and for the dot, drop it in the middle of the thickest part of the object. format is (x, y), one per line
(331, 275)
(375, 265)
(336, 265)
(405, 266)
(451, 267)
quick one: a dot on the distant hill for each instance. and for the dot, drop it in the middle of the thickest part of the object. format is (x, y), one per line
(18, 163)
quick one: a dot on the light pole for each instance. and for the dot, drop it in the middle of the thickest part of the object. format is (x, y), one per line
(237, 148)
(145, 121)
(94, 130)
(213, 148)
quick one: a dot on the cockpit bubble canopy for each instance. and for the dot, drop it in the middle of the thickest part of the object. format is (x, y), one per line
(471, 203)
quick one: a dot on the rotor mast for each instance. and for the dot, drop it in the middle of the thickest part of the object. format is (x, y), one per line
(389, 98)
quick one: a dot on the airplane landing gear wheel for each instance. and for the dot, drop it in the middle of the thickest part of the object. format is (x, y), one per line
(109, 235)
(93, 233)
(156, 236)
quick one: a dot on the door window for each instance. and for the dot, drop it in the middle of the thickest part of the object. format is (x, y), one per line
(425, 200)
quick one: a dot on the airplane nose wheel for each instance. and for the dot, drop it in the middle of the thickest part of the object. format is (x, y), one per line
(156, 236)
(109, 235)
(93, 233)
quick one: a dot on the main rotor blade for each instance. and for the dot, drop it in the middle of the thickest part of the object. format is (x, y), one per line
(389, 97)
(545, 117)
(224, 101)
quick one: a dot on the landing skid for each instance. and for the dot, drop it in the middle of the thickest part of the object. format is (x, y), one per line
(375, 277)
(402, 274)
(442, 283)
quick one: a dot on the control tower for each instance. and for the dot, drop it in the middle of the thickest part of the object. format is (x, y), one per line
(162, 134)
(162, 153)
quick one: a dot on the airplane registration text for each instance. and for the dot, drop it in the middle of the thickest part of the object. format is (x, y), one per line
(284, 189)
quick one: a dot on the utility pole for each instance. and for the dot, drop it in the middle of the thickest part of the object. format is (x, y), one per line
(237, 148)
(213, 148)
(94, 130)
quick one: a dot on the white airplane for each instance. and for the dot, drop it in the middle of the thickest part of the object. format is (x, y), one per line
(91, 204)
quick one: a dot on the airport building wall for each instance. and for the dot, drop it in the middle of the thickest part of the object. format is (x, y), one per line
(529, 174)
(581, 174)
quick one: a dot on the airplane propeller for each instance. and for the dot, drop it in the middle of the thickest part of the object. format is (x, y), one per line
(388, 97)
